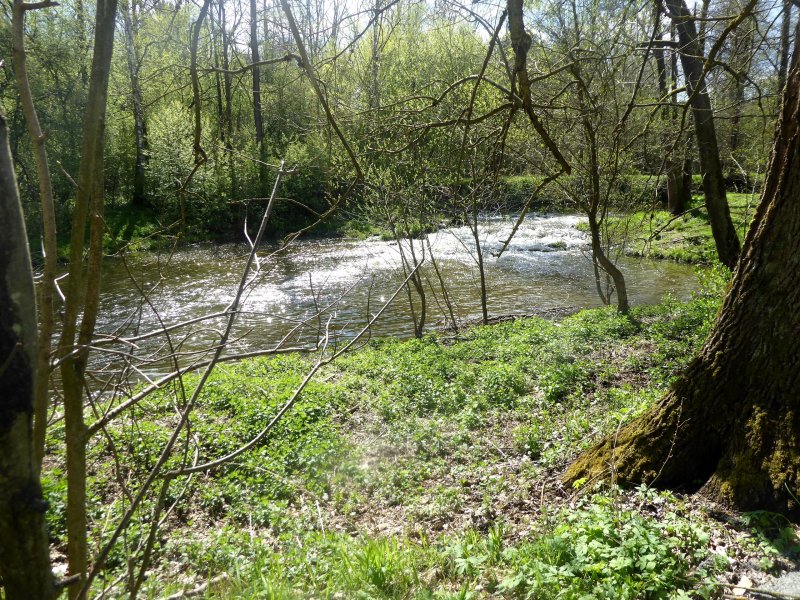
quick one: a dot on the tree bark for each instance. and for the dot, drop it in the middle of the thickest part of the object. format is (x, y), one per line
(257, 116)
(677, 195)
(47, 286)
(129, 20)
(595, 202)
(24, 551)
(741, 60)
(224, 104)
(725, 238)
(521, 44)
(786, 42)
(731, 424)
(599, 256)
(256, 71)
(83, 289)
(679, 185)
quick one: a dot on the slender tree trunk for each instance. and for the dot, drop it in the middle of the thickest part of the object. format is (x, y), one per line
(374, 100)
(677, 199)
(473, 225)
(731, 423)
(411, 265)
(786, 42)
(24, 550)
(313, 81)
(678, 194)
(598, 251)
(83, 42)
(83, 289)
(683, 180)
(704, 6)
(742, 39)
(719, 215)
(594, 204)
(607, 265)
(49, 249)
(256, 71)
(445, 294)
(129, 20)
(217, 74)
(225, 109)
(521, 44)
(258, 117)
(200, 155)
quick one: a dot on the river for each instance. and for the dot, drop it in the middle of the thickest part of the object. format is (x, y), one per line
(547, 266)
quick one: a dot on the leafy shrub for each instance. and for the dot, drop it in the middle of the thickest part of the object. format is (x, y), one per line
(564, 379)
(501, 384)
(605, 551)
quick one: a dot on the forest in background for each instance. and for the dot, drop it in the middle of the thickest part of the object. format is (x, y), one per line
(399, 79)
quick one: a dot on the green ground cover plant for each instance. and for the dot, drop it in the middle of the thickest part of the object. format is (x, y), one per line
(429, 469)
(685, 238)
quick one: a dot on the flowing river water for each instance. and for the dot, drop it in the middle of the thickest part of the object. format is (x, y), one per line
(547, 266)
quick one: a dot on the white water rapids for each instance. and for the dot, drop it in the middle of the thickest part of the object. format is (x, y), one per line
(546, 266)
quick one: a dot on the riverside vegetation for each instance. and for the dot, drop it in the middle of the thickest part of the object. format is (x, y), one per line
(421, 469)
(685, 237)
(429, 469)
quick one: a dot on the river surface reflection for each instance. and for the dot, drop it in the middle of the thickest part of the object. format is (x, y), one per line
(547, 266)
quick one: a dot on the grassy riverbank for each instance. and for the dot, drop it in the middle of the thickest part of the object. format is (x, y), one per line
(651, 233)
(686, 237)
(429, 469)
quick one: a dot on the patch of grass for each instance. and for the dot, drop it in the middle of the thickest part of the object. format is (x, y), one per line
(609, 546)
(686, 238)
(419, 469)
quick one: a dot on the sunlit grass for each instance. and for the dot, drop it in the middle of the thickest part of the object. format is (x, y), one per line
(425, 469)
(685, 238)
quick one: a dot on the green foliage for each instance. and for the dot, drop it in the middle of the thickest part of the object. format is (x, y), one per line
(774, 537)
(54, 490)
(599, 549)
(686, 238)
(605, 550)
(433, 418)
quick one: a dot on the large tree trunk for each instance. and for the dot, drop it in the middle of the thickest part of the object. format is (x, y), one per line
(24, 550)
(692, 60)
(731, 423)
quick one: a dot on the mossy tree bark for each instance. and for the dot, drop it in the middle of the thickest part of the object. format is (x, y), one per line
(731, 423)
